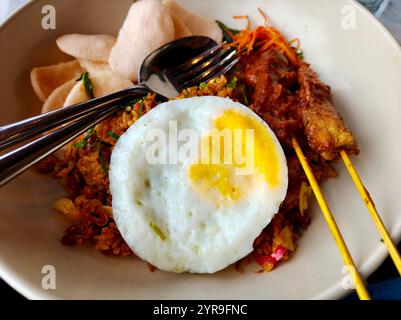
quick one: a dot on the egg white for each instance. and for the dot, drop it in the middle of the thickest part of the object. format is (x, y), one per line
(200, 236)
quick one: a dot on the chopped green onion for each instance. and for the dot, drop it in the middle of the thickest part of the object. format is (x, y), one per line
(82, 143)
(87, 83)
(243, 94)
(101, 159)
(226, 31)
(246, 101)
(300, 54)
(157, 230)
(141, 104)
(203, 85)
(113, 135)
(233, 83)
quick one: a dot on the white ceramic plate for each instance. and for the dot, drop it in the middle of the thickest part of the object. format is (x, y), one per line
(363, 66)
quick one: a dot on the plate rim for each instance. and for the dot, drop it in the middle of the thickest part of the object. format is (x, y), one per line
(335, 291)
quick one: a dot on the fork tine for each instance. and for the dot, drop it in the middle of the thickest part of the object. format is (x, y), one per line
(185, 67)
(222, 71)
(205, 65)
(215, 70)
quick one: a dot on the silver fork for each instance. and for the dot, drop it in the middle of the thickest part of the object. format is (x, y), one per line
(214, 60)
(211, 64)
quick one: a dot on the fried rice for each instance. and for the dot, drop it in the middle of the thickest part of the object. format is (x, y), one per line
(83, 172)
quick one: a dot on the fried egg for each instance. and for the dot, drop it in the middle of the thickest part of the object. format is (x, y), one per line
(194, 182)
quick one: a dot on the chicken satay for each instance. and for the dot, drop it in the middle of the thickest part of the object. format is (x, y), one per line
(325, 130)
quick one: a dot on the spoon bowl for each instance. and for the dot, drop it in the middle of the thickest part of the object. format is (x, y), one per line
(89, 113)
(153, 69)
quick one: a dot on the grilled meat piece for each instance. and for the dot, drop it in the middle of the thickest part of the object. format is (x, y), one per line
(295, 103)
(270, 78)
(324, 128)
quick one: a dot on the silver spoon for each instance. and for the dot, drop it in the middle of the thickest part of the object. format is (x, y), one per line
(152, 78)
(188, 60)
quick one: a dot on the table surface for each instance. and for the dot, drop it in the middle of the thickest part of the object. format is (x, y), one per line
(391, 18)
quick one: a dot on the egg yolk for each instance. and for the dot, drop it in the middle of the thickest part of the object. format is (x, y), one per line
(213, 172)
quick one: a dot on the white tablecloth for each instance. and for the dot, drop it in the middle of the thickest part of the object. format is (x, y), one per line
(391, 18)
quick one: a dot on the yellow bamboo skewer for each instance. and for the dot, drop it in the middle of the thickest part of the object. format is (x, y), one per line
(356, 277)
(392, 249)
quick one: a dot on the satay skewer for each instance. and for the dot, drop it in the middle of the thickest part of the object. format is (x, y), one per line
(348, 261)
(392, 249)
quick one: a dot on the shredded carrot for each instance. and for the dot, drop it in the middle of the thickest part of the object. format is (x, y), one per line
(262, 38)
(247, 19)
(263, 14)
